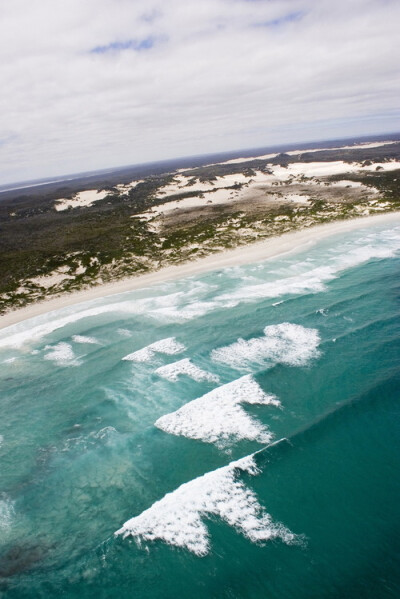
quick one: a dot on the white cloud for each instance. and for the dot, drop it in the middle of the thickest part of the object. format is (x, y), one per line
(185, 77)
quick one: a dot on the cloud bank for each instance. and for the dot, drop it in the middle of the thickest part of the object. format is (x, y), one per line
(103, 83)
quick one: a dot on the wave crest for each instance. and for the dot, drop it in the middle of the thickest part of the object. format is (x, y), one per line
(62, 354)
(284, 343)
(218, 417)
(177, 518)
(169, 346)
(173, 371)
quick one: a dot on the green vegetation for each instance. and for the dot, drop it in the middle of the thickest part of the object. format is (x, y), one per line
(111, 239)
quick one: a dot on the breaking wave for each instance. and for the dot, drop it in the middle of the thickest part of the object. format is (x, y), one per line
(10, 360)
(175, 306)
(218, 417)
(311, 278)
(168, 305)
(173, 371)
(83, 339)
(169, 346)
(62, 354)
(177, 519)
(124, 332)
(284, 343)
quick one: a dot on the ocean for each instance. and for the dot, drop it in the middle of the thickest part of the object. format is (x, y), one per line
(229, 435)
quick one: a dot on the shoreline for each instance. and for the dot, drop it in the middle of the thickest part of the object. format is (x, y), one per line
(255, 252)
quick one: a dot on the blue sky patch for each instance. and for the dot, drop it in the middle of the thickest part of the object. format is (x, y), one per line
(289, 18)
(137, 45)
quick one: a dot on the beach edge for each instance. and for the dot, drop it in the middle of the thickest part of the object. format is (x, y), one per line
(255, 252)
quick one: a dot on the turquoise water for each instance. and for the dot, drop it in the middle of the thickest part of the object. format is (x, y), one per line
(247, 446)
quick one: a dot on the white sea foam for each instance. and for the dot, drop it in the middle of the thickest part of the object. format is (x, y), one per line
(6, 512)
(40, 326)
(84, 442)
(19, 334)
(218, 417)
(124, 332)
(180, 306)
(177, 519)
(169, 346)
(62, 354)
(183, 312)
(84, 339)
(1, 440)
(311, 281)
(173, 371)
(284, 343)
(174, 307)
(10, 360)
(309, 277)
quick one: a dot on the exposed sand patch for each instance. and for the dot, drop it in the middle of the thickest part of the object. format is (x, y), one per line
(392, 165)
(48, 281)
(365, 146)
(220, 196)
(240, 160)
(351, 185)
(88, 197)
(296, 198)
(182, 184)
(346, 183)
(125, 187)
(257, 186)
(326, 169)
(145, 215)
(56, 277)
(279, 174)
(83, 198)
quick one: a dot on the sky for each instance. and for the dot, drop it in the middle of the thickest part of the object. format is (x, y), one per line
(91, 84)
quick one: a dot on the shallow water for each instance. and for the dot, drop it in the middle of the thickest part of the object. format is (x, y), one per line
(129, 413)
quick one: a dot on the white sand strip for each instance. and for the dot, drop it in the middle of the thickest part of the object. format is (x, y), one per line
(83, 198)
(365, 146)
(255, 252)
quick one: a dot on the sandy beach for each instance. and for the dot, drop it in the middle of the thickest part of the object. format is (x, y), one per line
(255, 252)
